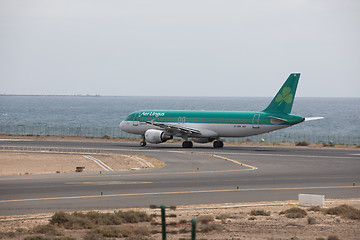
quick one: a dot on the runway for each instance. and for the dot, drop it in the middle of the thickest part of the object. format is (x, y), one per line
(201, 175)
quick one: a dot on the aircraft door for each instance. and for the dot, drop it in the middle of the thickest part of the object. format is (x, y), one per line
(136, 119)
(255, 121)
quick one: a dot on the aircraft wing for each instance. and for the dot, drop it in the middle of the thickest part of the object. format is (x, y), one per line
(174, 129)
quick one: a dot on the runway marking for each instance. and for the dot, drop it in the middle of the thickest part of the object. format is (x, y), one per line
(234, 161)
(229, 153)
(172, 193)
(99, 162)
(83, 150)
(105, 183)
(218, 156)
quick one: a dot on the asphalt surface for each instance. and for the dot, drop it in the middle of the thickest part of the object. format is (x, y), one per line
(201, 175)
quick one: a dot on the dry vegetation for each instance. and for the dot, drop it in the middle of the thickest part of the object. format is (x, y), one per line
(267, 222)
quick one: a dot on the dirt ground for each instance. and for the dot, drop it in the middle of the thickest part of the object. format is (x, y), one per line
(234, 222)
(30, 162)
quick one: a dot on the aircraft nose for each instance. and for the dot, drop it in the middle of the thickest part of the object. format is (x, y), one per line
(122, 125)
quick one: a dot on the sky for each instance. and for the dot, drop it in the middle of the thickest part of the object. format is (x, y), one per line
(237, 48)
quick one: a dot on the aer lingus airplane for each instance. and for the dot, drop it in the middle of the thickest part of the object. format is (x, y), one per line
(158, 126)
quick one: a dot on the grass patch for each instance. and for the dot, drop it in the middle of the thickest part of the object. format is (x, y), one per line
(294, 212)
(302, 143)
(259, 212)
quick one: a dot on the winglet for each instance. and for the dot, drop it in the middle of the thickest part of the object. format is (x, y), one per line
(283, 101)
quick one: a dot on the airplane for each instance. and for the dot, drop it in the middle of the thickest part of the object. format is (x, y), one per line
(158, 126)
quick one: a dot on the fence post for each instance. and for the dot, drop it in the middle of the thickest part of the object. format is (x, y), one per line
(193, 228)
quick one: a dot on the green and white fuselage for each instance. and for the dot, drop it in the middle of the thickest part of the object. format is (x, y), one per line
(157, 126)
(209, 124)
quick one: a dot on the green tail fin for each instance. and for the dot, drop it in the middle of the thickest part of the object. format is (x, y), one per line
(283, 101)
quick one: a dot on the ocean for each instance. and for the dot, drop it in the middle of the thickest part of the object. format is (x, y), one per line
(97, 115)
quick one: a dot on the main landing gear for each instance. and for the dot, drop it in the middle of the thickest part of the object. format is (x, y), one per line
(218, 144)
(187, 144)
(143, 142)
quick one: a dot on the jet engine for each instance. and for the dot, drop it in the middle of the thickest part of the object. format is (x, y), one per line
(157, 136)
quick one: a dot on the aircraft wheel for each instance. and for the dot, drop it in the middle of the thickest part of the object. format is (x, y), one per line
(187, 144)
(218, 144)
(142, 143)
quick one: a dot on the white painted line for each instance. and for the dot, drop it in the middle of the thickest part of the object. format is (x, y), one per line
(14, 140)
(100, 163)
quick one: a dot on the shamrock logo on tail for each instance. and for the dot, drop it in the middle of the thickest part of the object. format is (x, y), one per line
(284, 96)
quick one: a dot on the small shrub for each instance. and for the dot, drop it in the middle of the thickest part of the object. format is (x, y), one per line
(252, 218)
(184, 230)
(320, 239)
(345, 211)
(7, 235)
(183, 221)
(259, 213)
(212, 227)
(47, 230)
(143, 231)
(113, 231)
(311, 220)
(205, 219)
(93, 236)
(133, 216)
(59, 218)
(36, 238)
(302, 143)
(315, 209)
(104, 218)
(294, 212)
(222, 217)
(105, 137)
(333, 237)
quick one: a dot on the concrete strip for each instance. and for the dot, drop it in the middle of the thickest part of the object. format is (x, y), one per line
(100, 163)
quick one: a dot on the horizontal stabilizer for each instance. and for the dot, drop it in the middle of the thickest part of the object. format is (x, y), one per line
(312, 118)
(276, 120)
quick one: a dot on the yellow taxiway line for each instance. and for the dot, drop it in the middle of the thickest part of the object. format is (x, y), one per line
(234, 161)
